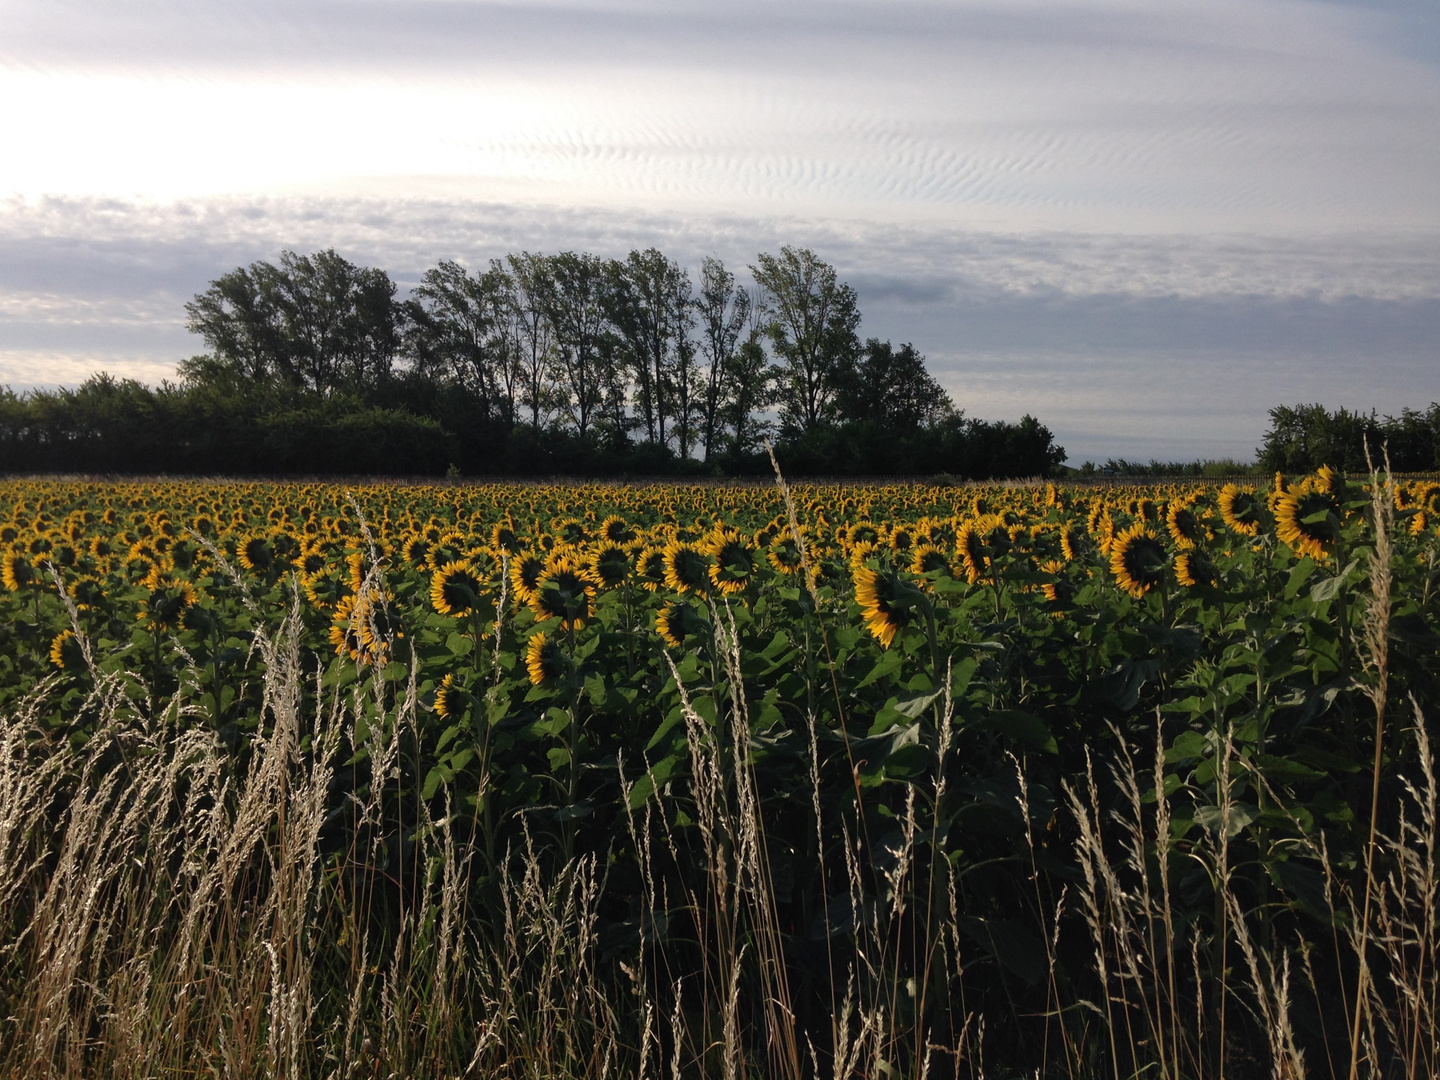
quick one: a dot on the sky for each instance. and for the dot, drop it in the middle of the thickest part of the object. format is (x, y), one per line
(1146, 222)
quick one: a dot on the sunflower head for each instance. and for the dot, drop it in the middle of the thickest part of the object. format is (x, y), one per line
(1184, 524)
(687, 568)
(1194, 570)
(611, 565)
(677, 620)
(525, 571)
(886, 602)
(616, 530)
(650, 567)
(930, 558)
(565, 590)
(451, 699)
(167, 599)
(1307, 520)
(326, 587)
(1241, 509)
(733, 567)
(456, 591)
(545, 662)
(17, 572)
(1138, 560)
(65, 652)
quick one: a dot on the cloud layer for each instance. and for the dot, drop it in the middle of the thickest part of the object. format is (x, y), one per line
(1144, 223)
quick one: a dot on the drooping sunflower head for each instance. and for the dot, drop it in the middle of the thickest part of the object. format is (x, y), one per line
(784, 553)
(457, 591)
(1241, 509)
(687, 568)
(565, 590)
(451, 699)
(545, 662)
(733, 567)
(1138, 560)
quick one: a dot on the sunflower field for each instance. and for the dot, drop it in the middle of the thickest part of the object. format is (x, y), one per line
(833, 780)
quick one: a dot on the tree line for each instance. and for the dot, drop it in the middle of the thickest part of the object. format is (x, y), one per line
(1301, 438)
(534, 363)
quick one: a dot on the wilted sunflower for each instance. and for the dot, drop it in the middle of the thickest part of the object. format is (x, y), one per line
(687, 568)
(456, 590)
(734, 563)
(565, 590)
(545, 662)
(1138, 560)
(882, 603)
(1240, 509)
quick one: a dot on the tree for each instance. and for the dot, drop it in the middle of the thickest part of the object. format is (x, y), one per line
(892, 389)
(315, 321)
(724, 310)
(458, 333)
(650, 307)
(812, 322)
(574, 305)
(529, 274)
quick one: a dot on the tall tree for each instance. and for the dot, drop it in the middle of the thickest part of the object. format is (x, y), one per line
(724, 309)
(574, 305)
(529, 277)
(458, 332)
(650, 307)
(315, 321)
(812, 324)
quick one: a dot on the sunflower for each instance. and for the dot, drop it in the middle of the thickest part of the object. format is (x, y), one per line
(325, 588)
(687, 568)
(650, 567)
(611, 565)
(17, 572)
(616, 530)
(168, 598)
(87, 591)
(1240, 509)
(525, 572)
(361, 629)
(929, 558)
(784, 553)
(678, 620)
(570, 530)
(1183, 524)
(1070, 543)
(456, 591)
(734, 565)
(545, 662)
(1138, 560)
(65, 651)
(1296, 514)
(1058, 592)
(565, 590)
(254, 552)
(415, 550)
(1194, 569)
(450, 700)
(504, 538)
(882, 603)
